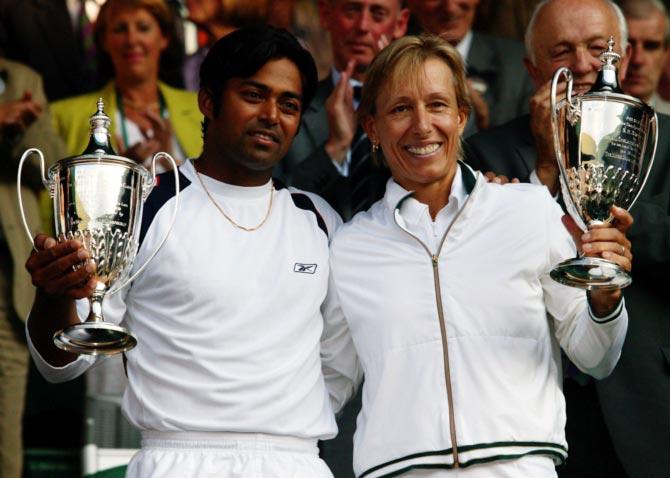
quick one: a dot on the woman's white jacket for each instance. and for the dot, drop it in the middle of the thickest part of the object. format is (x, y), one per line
(459, 346)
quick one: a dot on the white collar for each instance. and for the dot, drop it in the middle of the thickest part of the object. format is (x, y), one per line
(464, 45)
(411, 210)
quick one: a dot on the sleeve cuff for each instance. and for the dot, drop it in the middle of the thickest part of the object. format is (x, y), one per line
(57, 374)
(609, 317)
(343, 168)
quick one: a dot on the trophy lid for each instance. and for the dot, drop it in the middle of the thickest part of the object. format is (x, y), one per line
(608, 76)
(100, 141)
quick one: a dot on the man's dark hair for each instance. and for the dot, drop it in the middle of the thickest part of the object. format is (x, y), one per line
(242, 53)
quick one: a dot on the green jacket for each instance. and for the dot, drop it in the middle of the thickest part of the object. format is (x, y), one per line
(70, 118)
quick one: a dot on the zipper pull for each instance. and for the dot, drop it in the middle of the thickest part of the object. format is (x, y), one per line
(434, 260)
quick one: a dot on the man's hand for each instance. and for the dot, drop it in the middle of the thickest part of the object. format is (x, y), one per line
(546, 166)
(16, 116)
(492, 177)
(608, 242)
(61, 270)
(341, 116)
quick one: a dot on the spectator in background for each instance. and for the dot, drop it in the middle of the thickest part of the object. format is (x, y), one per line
(330, 156)
(148, 116)
(24, 123)
(499, 85)
(664, 83)
(649, 38)
(216, 18)
(505, 18)
(49, 37)
(306, 26)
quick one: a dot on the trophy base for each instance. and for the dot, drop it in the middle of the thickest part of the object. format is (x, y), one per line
(591, 273)
(95, 338)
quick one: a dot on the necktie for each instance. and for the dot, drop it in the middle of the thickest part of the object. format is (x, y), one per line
(360, 173)
(357, 94)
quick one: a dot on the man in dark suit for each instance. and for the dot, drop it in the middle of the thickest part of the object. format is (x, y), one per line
(499, 85)
(40, 34)
(633, 400)
(330, 155)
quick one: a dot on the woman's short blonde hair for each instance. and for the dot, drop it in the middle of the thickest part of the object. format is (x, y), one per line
(399, 63)
(171, 58)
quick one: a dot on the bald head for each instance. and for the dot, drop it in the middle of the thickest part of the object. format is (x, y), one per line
(573, 33)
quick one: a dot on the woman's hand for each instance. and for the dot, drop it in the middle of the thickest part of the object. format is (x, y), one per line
(157, 133)
(608, 242)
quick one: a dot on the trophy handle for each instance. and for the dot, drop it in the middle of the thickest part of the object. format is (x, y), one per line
(572, 113)
(48, 184)
(563, 71)
(654, 132)
(145, 193)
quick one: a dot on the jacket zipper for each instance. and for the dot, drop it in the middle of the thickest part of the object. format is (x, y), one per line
(434, 258)
(445, 350)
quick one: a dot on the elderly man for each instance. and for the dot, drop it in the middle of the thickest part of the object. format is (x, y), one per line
(500, 87)
(330, 155)
(634, 399)
(649, 38)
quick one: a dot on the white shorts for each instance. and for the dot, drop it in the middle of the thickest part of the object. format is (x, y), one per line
(226, 455)
(529, 466)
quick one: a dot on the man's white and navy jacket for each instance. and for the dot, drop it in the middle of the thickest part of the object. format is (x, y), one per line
(228, 322)
(459, 340)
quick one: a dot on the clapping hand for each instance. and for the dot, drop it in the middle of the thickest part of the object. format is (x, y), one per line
(157, 136)
(16, 116)
(341, 116)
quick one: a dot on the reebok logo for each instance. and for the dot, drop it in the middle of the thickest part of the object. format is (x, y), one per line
(304, 268)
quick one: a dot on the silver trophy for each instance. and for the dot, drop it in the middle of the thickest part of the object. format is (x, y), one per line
(605, 143)
(97, 199)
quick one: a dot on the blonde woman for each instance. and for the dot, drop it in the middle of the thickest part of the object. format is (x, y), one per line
(443, 289)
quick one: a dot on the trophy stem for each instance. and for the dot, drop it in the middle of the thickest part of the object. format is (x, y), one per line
(95, 301)
(95, 336)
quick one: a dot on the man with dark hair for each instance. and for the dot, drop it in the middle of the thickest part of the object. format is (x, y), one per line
(226, 378)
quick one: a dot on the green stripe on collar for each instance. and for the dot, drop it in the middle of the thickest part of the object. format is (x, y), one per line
(468, 175)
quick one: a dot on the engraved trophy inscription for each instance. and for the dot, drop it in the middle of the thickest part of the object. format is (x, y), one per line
(97, 199)
(605, 142)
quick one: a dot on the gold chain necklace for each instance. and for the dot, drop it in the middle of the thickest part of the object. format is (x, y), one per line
(230, 219)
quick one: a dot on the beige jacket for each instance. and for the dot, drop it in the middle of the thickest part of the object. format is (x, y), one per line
(17, 79)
